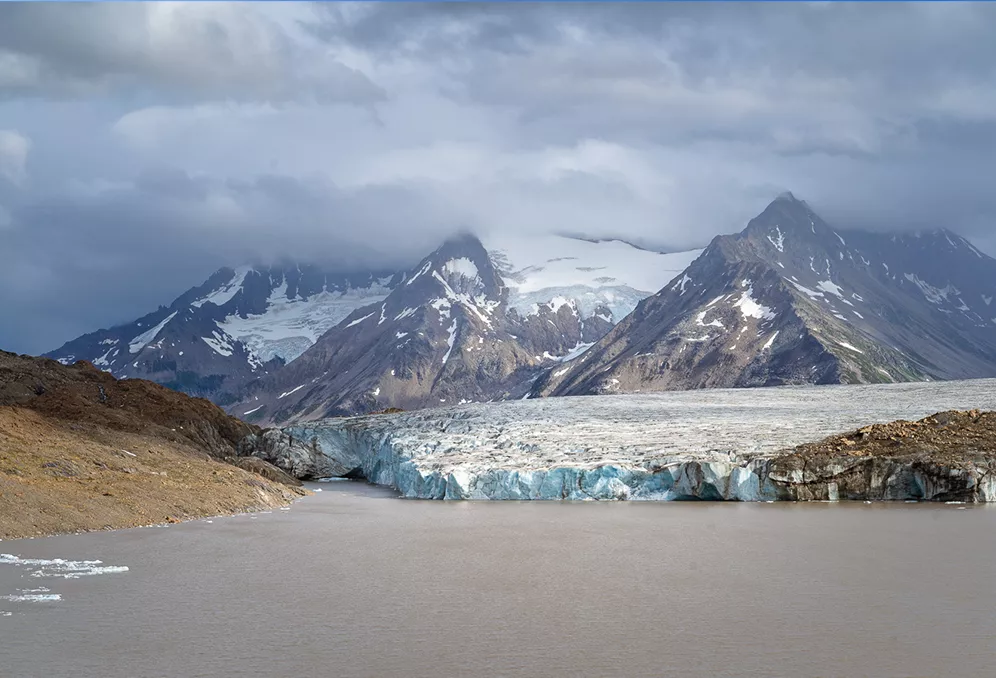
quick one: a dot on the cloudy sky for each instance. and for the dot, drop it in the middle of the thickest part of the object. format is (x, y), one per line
(144, 145)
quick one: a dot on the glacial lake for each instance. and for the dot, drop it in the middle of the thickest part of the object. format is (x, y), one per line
(355, 582)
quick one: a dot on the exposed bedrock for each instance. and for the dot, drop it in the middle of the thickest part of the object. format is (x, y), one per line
(300, 458)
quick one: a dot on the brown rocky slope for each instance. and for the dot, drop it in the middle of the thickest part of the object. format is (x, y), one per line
(81, 450)
(948, 456)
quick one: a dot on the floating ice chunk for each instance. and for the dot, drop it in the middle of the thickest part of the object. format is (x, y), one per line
(33, 598)
(58, 567)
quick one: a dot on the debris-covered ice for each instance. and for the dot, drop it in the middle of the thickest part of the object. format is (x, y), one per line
(705, 444)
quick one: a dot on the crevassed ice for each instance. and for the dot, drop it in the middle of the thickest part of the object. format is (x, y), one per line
(707, 444)
(290, 326)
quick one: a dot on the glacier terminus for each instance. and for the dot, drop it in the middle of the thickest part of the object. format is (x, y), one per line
(718, 444)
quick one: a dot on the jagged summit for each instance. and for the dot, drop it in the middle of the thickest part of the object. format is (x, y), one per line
(467, 323)
(240, 324)
(460, 266)
(243, 323)
(790, 300)
(441, 335)
(788, 214)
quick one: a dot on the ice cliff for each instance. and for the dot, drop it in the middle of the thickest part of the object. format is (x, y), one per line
(712, 445)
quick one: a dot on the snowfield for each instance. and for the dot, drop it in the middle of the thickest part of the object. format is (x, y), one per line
(613, 273)
(290, 326)
(711, 444)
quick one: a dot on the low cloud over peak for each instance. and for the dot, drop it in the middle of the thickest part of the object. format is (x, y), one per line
(157, 142)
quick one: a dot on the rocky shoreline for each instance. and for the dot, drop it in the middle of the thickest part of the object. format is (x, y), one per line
(735, 445)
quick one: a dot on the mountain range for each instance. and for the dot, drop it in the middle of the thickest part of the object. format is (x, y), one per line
(546, 297)
(789, 300)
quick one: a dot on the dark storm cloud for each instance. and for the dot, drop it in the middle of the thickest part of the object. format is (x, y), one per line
(188, 51)
(888, 110)
(101, 257)
(737, 70)
(144, 145)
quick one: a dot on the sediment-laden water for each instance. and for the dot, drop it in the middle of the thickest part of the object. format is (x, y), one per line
(355, 582)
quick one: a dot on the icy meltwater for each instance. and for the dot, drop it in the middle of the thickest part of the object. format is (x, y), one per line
(355, 582)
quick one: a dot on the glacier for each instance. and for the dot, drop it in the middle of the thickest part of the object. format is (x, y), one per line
(612, 274)
(720, 444)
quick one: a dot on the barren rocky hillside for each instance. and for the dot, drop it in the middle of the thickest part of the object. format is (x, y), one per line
(81, 450)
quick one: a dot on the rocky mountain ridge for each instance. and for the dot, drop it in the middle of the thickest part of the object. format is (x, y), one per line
(244, 324)
(463, 325)
(237, 326)
(791, 300)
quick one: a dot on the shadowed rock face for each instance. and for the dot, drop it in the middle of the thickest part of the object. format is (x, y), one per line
(237, 326)
(743, 444)
(790, 300)
(298, 457)
(453, 330)
(441, 336)
(555, 295)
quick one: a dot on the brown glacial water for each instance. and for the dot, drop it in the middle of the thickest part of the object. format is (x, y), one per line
(356, 582)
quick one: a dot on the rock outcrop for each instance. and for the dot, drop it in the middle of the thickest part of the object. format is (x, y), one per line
(746, 445)
(301, 459)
